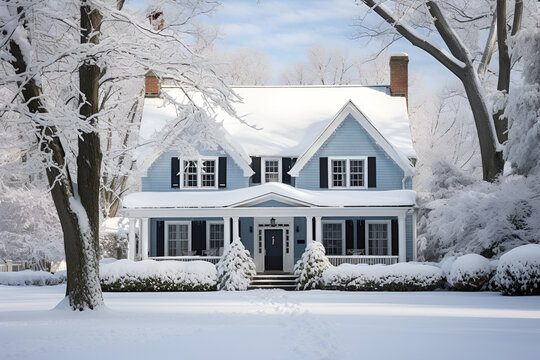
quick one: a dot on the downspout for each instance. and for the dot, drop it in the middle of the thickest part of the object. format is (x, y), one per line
(403, 182)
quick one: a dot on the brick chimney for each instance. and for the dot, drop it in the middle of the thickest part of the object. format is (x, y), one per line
(399, 75)
(152, 85)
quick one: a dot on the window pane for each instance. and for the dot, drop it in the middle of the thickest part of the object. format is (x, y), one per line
(356, 173)
(216, 236)
(378, 239)
(333, 238)
(190, 173)
(208, 173)
(339, 172)
(178, 240)
(271, 170)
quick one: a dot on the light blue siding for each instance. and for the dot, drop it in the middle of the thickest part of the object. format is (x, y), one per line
(246, 224)
(159, 173)
(300, 223)
(272, 203)
(351, 139)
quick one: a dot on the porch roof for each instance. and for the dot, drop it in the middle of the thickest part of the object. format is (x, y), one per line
(250, 196)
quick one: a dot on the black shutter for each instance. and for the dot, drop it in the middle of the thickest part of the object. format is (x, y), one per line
(361, 235)
(222, 168)
(313, 228)
(372, 172)
(349, 235)
(323, 172)
(160, 238)
(395, 237)
(286, 164)
(175, 169)
(198, 236)
(256, 166)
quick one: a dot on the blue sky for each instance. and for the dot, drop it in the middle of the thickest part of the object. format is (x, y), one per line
(285, 29)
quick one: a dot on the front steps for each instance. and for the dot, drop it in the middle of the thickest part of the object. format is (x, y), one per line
(273, 281)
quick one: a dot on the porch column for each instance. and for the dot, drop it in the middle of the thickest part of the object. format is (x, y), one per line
(318, 229)
(415, 245)
(144, 239)
(402, 248)
(309, 229)
(226, 231)
(131, 236)
(235, 233)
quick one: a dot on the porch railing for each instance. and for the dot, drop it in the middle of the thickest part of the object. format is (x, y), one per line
(362, 259)
(210, 259)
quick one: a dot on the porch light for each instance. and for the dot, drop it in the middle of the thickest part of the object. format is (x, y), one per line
(297, 228)
(272, 222)
(251, 229)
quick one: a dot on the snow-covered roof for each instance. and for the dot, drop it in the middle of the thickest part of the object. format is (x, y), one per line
(290, 118)
(269, 191)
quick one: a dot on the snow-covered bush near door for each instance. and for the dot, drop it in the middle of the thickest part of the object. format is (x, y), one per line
(29, 277)
(396, 277)
(150, 275)
(518, 271)
(471, 272)
(311, 266)
(236, 268)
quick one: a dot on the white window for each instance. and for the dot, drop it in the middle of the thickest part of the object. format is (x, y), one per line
(347, 172)
(214, 237)
(200, 173)
(378, 238)
(333, 237)
(271, 169)
(177, 239)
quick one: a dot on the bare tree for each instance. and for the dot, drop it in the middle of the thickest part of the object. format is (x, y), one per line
(459, 60)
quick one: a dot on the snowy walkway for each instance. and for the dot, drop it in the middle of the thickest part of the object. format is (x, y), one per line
(271, 324)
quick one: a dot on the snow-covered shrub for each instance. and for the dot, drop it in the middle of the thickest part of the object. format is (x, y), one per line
(518, 271)
(470, 272)
(29, 277)
(150, 275)
(113, 238)
(483, 218)
(310, 267)
(236, 268)
(396, 277)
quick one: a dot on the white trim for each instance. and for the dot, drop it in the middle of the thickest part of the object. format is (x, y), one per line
(263, 168)
(272, 197)
(166, 240)
(347, 160)
(145, 238)
(199, 161)
(388, 232)
(213, 222)
(352, 109)
(343, 236)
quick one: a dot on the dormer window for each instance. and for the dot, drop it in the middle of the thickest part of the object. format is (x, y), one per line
(199, 173)
(271, 170)
(347, 172)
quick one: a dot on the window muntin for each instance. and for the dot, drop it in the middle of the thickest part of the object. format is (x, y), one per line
(378, 238)
(333, 236)
(272, 170)
(216, 236)
(178, 239)
(347, 172)
(200, 173)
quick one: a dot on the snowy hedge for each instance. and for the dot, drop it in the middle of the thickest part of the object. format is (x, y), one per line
(150, 275)
(236, 268)
(396, 277)
(518, 271)
(311, 266)
(471, 272)
(29, 277)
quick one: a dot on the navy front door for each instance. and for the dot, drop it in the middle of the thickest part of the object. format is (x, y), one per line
(273, 245)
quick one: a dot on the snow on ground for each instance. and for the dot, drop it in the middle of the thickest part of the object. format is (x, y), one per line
(271, 324)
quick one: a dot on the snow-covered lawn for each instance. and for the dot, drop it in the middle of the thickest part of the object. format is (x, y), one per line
(270, 324)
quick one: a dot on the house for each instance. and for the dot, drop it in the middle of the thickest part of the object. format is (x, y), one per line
(332, 164)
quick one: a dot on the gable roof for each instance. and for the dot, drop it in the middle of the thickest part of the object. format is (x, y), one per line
(289, 119)
(352, 109)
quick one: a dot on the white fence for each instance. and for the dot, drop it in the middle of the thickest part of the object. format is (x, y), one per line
(9, 266)
(362, 259)
(210, 259)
